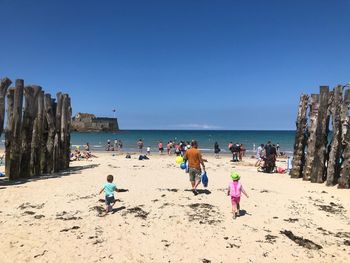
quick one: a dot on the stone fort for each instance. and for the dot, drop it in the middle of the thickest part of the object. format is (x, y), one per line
(86, 122)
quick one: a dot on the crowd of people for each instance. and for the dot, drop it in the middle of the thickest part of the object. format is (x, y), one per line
(196, 167)
(116, 146)
(238, 151)
(266, 157)
(78, 155)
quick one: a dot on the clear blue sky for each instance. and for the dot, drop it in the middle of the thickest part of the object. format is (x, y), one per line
(179, 64)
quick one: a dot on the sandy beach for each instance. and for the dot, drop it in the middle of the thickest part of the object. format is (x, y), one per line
(157, 219)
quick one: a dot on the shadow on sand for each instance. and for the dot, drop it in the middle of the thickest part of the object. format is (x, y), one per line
(69, 171)
(200, 191)
(115, 210)
(243, 213)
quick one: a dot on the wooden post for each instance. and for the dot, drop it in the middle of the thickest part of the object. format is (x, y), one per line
(9, 129)
(333, 167)
(57, 152)
(35, 156)
(15, 150)
(29, 112)
(50, 118)
(312, 136)
(318, 169)
(4, 84)
(65, 131)
(344, 180)
(300, 138)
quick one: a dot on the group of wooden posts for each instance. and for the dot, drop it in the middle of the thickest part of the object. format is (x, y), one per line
(37, 132)
(320, 154)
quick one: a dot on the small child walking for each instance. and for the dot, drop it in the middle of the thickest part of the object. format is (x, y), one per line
(235, 190)
(109, 188)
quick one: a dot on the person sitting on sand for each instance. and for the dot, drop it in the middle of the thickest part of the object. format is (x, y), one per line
(109, 188)
(76, 156)
(259, 155)
(235, 190)
(87, 147)
(195, 161)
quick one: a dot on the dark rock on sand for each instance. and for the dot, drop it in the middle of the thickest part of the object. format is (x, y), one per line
(291, 220)
(301, 241)
(138, 211)
(72, 228)
(270, 238)
(204, 213)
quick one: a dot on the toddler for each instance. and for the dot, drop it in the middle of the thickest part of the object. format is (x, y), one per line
(234, 190)
(109, 189)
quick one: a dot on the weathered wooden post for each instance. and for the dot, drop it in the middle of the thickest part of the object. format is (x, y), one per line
(4, 85)
(333, 167)
(50, 118)
(318, 167)
(29, 112)
(36, 149)
(9, 129)
(65, 126)
(15, 151)
(57, 152)
(312, 136)
(344, 180)
(300, 138)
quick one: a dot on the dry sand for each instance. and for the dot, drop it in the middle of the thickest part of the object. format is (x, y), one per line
(56, 219)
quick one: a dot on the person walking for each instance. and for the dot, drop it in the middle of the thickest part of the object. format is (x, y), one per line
(195, 161)
(140, 145)
(216, 149)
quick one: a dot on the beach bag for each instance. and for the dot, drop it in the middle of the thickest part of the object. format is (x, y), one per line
(235, 189)
(205, 179)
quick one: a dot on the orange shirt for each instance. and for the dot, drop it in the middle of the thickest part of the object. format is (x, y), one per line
(193, 156)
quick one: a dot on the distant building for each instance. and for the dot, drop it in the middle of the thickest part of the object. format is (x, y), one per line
(86, 122)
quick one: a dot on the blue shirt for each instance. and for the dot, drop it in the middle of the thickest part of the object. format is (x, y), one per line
(109, 189)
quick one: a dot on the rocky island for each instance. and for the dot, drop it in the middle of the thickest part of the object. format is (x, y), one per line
(86, 122)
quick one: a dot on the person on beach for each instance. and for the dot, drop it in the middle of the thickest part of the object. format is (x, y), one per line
(270, 159)
(120, 145)
(116, 144)
(140, 145)
(160, 147)
(87, 147)
(148, 150)
(236, 149)
(109, 188)
(168, 148)
(241, 152)
(195, 161)
(216, 149)
(109, 146)
(259, 155)
(235, 190)
(230, 147)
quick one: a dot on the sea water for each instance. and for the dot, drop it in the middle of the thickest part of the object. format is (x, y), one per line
(205, 138)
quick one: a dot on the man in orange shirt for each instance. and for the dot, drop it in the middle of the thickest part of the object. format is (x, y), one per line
(194, 158)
